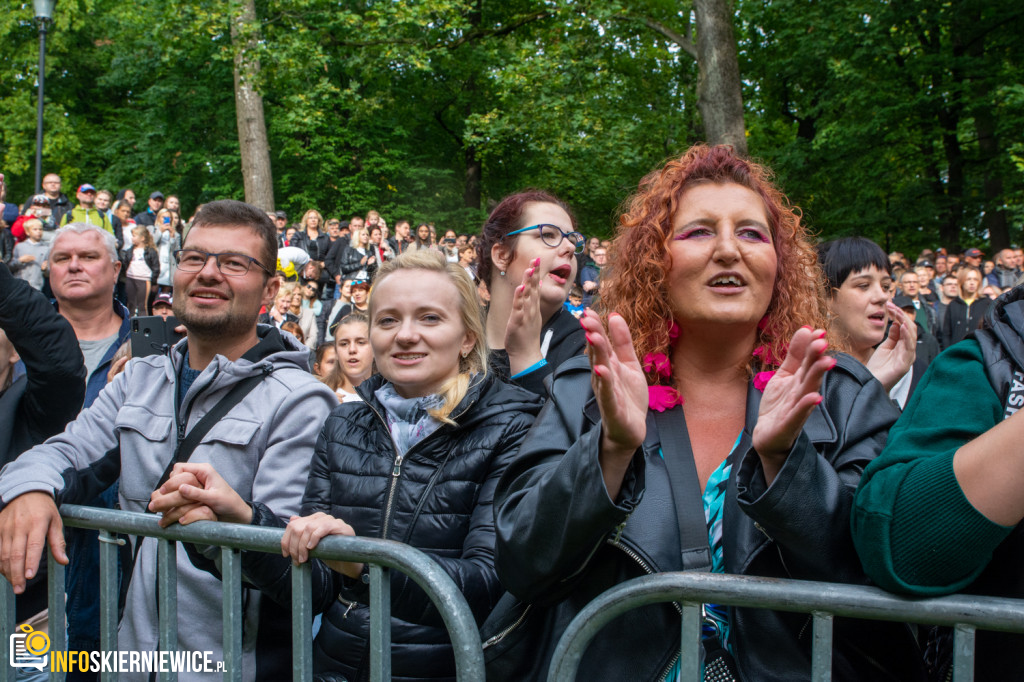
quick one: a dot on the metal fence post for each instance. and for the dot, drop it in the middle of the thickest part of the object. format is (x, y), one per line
(55, 611)
(231, 576)
(380, 624)
(302, 624)
(110, 596)
(167, 599)
(7, 621)
(821, 648)
(963, 653)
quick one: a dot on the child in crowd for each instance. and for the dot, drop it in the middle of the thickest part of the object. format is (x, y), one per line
(575, 303)
(141, 263)
(30, 256)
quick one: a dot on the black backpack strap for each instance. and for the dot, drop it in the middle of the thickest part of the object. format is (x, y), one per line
(182, 453)
(686, 492)
(188, 444)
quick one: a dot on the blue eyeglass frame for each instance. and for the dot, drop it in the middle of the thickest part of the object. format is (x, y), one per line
(581, 240)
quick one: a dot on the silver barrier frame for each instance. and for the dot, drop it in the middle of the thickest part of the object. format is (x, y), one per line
(965, 613)
(382, 555)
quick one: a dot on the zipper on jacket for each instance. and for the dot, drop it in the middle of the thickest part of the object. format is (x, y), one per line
(349, 605)
(668, 668)
(504, 633)
(396, 470)
(183, 423)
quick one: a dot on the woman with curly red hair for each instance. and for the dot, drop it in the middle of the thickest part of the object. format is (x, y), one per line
(708, 430)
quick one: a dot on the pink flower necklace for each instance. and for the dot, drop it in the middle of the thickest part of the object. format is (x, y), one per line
(661, 398)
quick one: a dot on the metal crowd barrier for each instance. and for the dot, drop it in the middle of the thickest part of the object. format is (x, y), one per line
(965, 613)
(382, 555)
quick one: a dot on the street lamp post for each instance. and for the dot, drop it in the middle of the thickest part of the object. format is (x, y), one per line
(44, 12)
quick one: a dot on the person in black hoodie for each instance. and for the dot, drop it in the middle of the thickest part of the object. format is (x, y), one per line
(964, 313)
(526, 255)
(40, 402)
(417, 462)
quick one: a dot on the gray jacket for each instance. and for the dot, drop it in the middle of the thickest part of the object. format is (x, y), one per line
(262, 448)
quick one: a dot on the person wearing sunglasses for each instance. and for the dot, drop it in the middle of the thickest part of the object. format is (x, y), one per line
(526, 255)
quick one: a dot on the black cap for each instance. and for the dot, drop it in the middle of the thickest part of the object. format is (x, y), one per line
(156, 195)
(281, 215)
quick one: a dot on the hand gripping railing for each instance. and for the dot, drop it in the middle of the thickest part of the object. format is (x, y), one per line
(964, 613)
(382, 555)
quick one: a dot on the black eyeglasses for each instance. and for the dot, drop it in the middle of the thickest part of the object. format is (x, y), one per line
(552, 235)
(229, 264)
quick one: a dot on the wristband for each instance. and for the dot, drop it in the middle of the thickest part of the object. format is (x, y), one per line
(531, 368)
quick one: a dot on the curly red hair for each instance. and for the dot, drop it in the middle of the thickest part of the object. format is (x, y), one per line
(635, 287)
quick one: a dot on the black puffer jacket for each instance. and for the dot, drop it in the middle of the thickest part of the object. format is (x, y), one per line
(962, 319)
(562, 541)
(441, 505)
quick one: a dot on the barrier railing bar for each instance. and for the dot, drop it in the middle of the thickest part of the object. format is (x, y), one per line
(821, 648)
(963, 653)
(302, 623)
(55, 610)
(855, 601)
(689, 657)
(380, 624)
(438, 585)
(167, 600)
(109, 596)
(7, 620)
(231, 585)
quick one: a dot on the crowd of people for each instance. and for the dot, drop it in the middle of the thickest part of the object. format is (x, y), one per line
(543, 414)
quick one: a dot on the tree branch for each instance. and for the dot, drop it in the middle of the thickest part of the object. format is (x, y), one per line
(683, 41)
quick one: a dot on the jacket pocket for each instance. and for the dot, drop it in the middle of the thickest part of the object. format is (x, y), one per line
(148, 435)
(232, 431)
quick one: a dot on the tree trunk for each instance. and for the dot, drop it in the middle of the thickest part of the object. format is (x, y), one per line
(720, 97)
(474, 167)
(994, 216)
(252, 128)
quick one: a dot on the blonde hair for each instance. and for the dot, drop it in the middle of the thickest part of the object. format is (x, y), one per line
(353, 237)
(475, 361)
(286, 291)
(147, 238)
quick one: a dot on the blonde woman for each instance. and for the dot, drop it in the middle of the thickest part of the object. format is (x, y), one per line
(435, 397)
(359, 262)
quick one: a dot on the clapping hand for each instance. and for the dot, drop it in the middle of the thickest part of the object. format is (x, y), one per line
(789, 398)
(621, 388)
(522, 333)
(894, 357)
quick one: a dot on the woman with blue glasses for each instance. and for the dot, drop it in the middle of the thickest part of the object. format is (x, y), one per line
(526, 255)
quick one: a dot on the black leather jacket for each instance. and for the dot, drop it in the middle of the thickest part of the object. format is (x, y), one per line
(351, 265)
(562, 541)
(441, 505)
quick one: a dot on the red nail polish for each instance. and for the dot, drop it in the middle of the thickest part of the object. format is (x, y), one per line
(589, 342)
(818, 401)
(597, 372)
(806, 326)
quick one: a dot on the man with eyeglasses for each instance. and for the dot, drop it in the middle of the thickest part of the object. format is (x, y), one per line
(265, 410)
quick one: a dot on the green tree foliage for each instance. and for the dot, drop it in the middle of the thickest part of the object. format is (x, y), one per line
(869, 110)
(896, 119)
